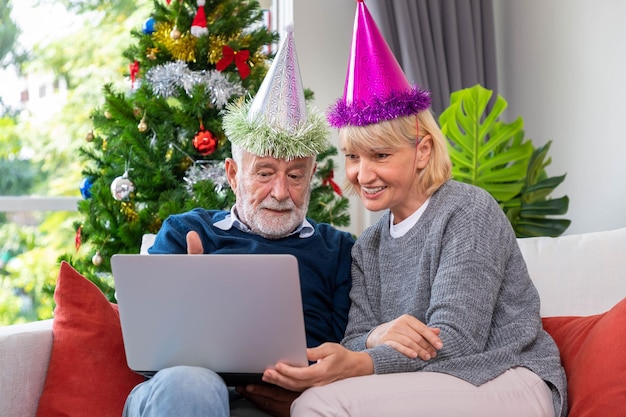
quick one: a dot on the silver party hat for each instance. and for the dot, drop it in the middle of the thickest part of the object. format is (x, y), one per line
(278, 122)
(280, 98)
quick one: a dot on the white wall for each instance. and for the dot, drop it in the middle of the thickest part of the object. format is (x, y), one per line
(562, 68)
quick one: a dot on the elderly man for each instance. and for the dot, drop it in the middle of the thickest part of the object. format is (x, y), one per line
(274, 139)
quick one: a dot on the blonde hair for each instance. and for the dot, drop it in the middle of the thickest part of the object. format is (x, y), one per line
(397, 133)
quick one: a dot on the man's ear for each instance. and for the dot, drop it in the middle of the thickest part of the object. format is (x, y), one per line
(230, 166)
(424, 148)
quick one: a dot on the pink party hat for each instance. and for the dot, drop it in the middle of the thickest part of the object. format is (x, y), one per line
(376, 88)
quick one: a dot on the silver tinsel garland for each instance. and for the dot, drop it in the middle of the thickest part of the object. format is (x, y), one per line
(206, 170)
(165, 80)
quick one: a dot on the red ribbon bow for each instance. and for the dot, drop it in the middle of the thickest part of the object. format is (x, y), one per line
(239, 57)
(329, 181)
(134, 71)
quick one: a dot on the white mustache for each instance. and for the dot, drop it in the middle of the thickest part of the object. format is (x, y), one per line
(275, 205)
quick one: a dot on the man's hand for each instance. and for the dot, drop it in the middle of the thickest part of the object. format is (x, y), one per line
(271, 399)
(194, 244)
(409, 336)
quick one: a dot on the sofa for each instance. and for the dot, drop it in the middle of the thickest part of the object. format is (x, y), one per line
(581, 280)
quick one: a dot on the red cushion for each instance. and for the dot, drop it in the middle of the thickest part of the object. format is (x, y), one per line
(593, 353)
(87, 374)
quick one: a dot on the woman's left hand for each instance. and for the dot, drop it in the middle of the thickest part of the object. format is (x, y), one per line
(409, 336)
(332, 363)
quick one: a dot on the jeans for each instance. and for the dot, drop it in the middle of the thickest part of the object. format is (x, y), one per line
(179, 391)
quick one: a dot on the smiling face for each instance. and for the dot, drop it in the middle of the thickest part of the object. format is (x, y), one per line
(272, 194)
(387, 177)
(385, 164)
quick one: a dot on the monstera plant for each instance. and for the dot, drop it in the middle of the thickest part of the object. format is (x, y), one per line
(495, 156)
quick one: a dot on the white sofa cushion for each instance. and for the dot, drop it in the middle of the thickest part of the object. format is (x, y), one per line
(580, 274)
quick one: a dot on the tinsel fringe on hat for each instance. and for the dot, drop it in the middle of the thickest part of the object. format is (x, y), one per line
(377, 109)
(260, 138)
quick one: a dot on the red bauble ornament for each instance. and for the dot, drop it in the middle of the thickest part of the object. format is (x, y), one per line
(205, 142)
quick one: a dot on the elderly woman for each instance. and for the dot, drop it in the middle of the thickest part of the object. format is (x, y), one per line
(444, 318)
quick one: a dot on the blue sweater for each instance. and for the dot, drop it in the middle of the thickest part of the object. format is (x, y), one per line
(323, 258)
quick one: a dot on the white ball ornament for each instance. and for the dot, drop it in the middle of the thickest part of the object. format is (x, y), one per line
(96, 259)
(122, 188)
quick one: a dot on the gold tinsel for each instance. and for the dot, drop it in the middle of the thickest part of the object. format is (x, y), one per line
(221, 140)
(215, 48)
(128, 209)
(214, 15)
(182, 49)
(155, 226)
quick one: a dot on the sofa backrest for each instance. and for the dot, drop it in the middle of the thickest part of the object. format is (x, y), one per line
(581, 274)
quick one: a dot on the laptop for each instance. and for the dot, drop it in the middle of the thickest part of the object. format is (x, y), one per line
(236, 314)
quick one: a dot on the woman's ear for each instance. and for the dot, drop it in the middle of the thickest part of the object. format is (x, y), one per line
(230, 166)
(423, 151)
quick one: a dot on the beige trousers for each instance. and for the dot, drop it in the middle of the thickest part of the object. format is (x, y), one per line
(516, 393)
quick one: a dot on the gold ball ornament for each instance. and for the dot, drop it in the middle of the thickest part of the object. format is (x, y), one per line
(175, 33)
(142, 126)
(96, 259)
(89, 137)
(107, 114)
(185, 163)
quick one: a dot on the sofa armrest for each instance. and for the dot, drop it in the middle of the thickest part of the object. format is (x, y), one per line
(24, 357)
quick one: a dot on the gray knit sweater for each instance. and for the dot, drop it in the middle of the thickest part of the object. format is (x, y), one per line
(458, 269)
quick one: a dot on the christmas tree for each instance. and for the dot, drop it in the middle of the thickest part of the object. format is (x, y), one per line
(158, 148)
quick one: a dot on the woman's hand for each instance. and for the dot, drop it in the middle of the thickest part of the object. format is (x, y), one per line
(409, 336)
(332, 363)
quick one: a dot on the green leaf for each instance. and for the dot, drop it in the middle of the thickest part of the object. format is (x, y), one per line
(556, 206)
(494, 155)
(542, 189)
(484, 151)
(541, 227)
